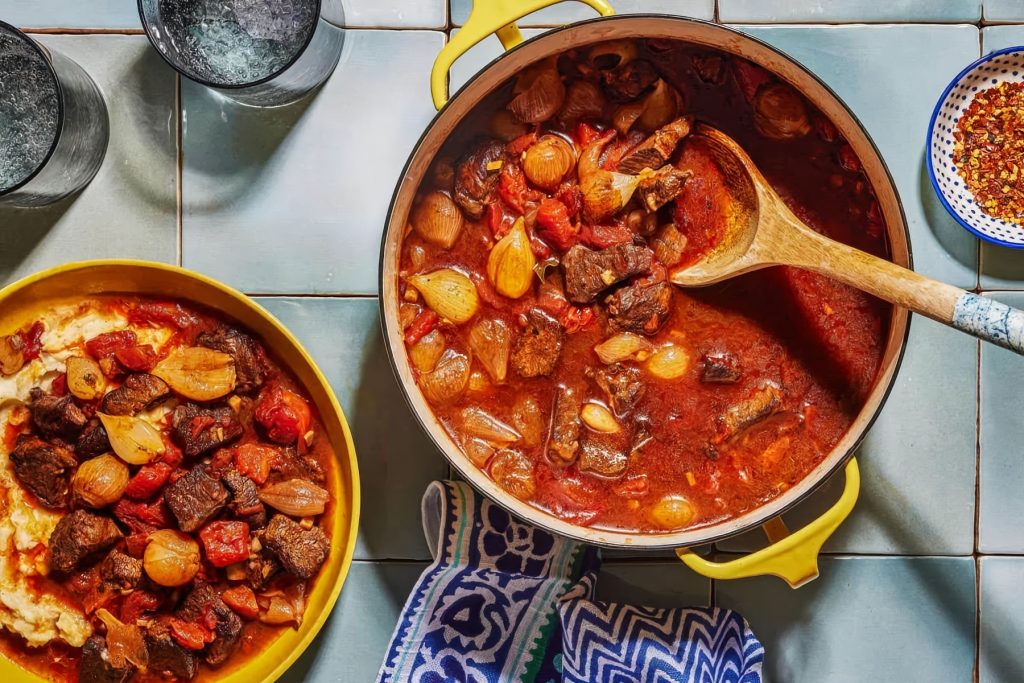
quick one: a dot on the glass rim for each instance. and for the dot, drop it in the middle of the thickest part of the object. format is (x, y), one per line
(187, 73)
(47, 60)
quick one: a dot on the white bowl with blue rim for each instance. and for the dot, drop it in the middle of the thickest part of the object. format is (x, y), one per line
(1002, 66)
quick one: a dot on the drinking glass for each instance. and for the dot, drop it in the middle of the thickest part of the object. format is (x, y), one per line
(263, 53)
(53, 123)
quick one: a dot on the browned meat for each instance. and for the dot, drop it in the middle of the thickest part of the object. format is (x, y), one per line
(659, 188)
(709, 68)
(195, 498)
(474, 183)
(135, 394)
(720, 368)
(55, 416)
(657, 150)
(121, 572)
(245, 499)
(43, 469)
(203, 601)
(165, 656)
(302, 552)
(199, 429)
(536, 350)
(602, 456)
(95, 666)
(251, 366)
(79, 537)
(640, 307)
(564, 443)
(764, 402)
(92, 441)
(621, 384)
(589, 272)
(260, 570)
(627, 82)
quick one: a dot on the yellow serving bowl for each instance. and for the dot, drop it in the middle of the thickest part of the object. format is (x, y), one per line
(22, 301)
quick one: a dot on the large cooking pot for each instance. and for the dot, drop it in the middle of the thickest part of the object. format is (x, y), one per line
(791, 556)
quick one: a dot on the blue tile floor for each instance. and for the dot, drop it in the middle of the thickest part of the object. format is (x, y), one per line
(921, 584)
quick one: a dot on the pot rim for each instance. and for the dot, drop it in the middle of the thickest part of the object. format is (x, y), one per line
(634, 539)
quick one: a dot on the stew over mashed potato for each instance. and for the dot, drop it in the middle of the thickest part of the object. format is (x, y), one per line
(163, 493)
(538, 315)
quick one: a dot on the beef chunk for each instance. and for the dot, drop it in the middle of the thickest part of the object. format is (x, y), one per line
(640, 307)
(95, 666)
(245, 500)
(200, 429)
(659, 188)
(251, 365)
(301, 551)
(745, 414)
(165, 655)
(602, 456)
(260, 570)
(135, 394)
(589, 272)
(536, 350)
(79, 537)
(204, 603)
(621, 384)
(55, 416)
(565, 427)
(93, 440)
(195, 498)
(628, 81)
(121, 572)
(474, 183)
(720, 368)
(43, 469)
(657, 150)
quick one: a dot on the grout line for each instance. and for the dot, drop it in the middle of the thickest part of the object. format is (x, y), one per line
(179, 165)
(977, 619)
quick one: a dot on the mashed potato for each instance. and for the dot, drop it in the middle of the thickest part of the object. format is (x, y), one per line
(39, 617)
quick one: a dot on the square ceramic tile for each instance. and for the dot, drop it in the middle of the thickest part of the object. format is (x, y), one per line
(1004, 10)
(352, 644)
(396, 459)
(864, 619)
(849, 10)
(293, 199)
(129, 209)
(566, 12)
(392, 14)
(1001, 616)
(652, 584)
(918, 462)
(880, 73)
(116, 14)
(1002, 446)
(1002, 268)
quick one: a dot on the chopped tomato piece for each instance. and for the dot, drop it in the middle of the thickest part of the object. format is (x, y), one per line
(160, 313)
(140, 516)
(172, 455)
(826, 130)
(572, 197)
(633, 487)
(848, 159)
(225, 543)
(749, 77)
(512, 186)
(577, 318)
(138, 603)
(148, 480)
(585, 134)
(554, 224)
(254, 461)
(539, 247)
(521, 143)
(604, 236)
(616, 150)
(60, 385)
(107, 344)
(32, 341)
(135, 543)
(139, 358)
(242, 600)
(499, 220)
(420, 327)
(189, 634)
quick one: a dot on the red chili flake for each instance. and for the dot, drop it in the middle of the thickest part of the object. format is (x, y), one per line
(577, 318)
(988, 150)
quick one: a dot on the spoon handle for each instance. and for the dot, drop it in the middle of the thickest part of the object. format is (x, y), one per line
(974, 314)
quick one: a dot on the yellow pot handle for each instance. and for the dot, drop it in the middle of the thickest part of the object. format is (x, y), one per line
(487, 17)
(792, 557)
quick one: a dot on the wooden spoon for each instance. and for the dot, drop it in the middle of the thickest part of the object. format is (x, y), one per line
(761, 231)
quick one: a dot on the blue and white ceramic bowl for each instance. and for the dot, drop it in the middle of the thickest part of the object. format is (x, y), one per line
(991, 70)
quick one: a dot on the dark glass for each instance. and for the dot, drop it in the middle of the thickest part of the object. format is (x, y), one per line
(263, 53)
(53, 123)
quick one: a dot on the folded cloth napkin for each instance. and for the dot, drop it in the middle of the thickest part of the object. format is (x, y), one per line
(501, 597)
